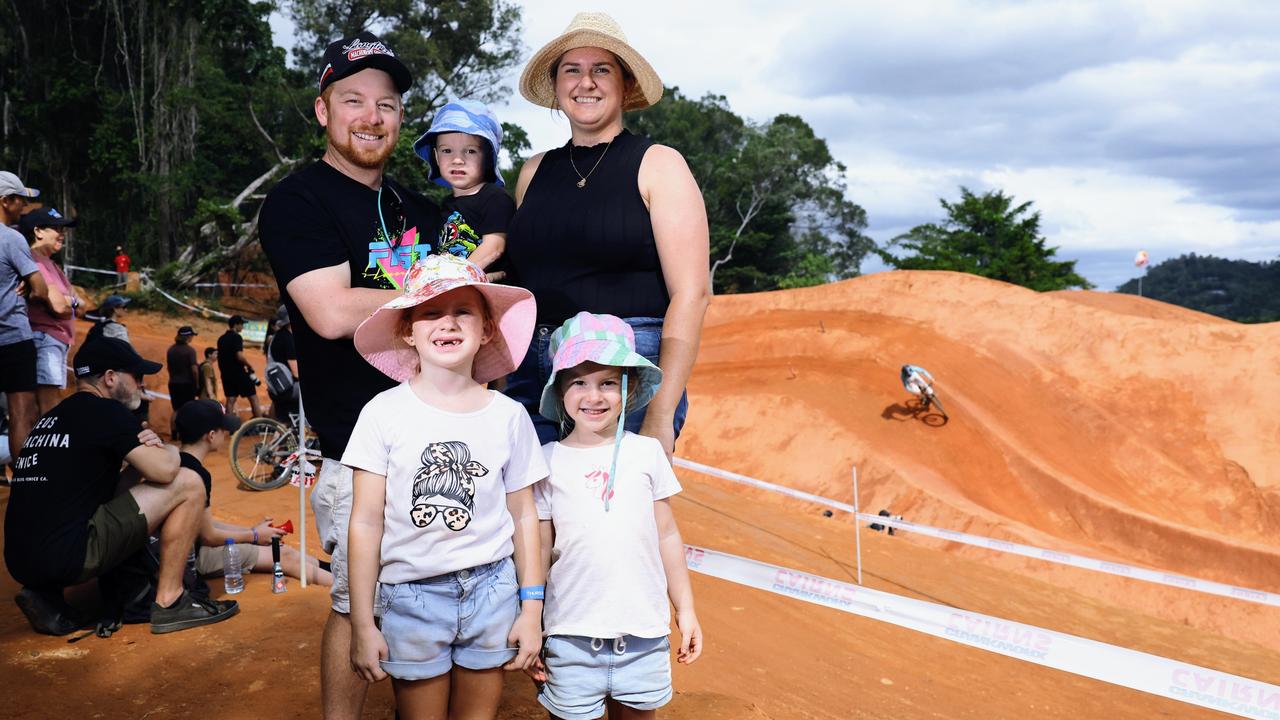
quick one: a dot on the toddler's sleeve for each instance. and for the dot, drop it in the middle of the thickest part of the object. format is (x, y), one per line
(665, 483)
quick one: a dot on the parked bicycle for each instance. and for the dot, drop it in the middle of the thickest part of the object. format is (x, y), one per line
(265, 454)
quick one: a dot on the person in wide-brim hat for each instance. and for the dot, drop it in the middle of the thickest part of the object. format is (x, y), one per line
(610, 222)
(537, 83)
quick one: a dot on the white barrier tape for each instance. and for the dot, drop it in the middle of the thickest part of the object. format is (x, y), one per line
(173, 299)
(248, 285)
(735, 477)
(92, 270)
(1141, 671)
(1062, 558)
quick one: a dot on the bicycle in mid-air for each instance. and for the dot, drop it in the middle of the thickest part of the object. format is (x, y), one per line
(265, 452)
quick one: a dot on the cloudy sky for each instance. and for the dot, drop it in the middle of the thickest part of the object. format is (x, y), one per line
(1130, 125)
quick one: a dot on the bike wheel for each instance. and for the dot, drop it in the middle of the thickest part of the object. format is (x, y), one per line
(259, 449)
(938, 404)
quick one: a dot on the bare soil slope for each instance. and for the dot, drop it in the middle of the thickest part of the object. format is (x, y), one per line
(1137, 437)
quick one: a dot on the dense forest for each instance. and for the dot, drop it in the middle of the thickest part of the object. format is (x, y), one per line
(1234, 289)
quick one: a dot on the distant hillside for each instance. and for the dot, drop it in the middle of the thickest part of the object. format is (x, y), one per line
(1234, 289)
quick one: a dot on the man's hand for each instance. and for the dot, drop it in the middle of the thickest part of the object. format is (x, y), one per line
(264, 532)
(149, 438)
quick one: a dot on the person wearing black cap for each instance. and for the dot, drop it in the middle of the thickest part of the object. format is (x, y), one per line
(66, 524)
(53, 318)
(203, 427)
(238, 380)
(17, 346)
(107, 321)
(184, 372)
(340, 237)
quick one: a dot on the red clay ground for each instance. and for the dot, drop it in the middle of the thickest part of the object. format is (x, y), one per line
(1087, 422)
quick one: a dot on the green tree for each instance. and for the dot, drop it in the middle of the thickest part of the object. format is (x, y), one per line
(1234, 289)
(775, 196)
(987, 235)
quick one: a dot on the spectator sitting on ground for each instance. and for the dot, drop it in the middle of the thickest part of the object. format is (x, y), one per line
(73, 515)
(238, 380)
(209, 375)
(204, 427)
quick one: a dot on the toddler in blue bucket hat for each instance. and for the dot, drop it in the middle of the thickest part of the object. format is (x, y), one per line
(462, 149)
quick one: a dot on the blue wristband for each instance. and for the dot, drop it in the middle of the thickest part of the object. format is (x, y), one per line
(533, 592)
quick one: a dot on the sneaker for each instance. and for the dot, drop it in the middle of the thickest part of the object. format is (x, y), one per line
(47, 613)
(190, 612)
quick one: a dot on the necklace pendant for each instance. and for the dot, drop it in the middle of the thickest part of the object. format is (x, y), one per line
(582, 182)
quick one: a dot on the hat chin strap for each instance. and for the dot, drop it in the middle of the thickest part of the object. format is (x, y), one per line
(617, 445)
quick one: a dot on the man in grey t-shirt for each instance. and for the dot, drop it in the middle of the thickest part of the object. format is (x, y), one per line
(17, 348)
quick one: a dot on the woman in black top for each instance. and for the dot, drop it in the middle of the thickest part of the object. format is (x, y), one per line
(610, 222)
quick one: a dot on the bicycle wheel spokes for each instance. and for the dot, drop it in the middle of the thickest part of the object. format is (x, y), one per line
(258, 453)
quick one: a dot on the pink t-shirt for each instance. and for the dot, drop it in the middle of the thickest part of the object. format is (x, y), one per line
(38, 313)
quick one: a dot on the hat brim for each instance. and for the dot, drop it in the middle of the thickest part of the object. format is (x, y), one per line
(602, 352)
(538, 88)
(512, 310)
(144, 367)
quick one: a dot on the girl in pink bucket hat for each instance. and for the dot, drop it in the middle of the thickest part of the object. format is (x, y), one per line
(443, 514)
(606, 512)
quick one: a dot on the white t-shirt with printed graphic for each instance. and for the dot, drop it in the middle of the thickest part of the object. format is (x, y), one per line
(606, 577)
(448, 475)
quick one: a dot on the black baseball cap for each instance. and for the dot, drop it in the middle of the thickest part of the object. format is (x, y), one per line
(186, 331)
(44, 217)
(235, 320)
(101, 354)
(198, 417)
(349, 56)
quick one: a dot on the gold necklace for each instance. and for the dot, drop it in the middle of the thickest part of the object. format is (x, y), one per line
(582, 179)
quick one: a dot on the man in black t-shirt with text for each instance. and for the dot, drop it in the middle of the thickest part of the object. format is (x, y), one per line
(341, 237)
(67, 523)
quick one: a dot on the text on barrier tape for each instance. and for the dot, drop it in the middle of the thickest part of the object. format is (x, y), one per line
(1140, 671)
(1130, 571)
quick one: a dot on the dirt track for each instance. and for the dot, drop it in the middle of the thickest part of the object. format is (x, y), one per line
(1099, 424)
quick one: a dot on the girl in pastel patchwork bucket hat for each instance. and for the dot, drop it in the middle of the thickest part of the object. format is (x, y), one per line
(443, 513)
(462, 149)
(616, 550)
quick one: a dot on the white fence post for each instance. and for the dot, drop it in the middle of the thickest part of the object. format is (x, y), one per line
(857, 531)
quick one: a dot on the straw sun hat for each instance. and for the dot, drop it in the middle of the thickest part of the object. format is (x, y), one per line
(590, 30)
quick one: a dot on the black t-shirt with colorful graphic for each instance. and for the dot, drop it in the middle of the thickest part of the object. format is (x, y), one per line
(69, 466)
(317, 218)
(469, 218)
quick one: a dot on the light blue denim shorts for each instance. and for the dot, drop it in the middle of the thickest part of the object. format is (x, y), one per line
(583, 671)
(51, 360)
(460, 618)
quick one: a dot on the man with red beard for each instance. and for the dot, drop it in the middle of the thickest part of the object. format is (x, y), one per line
(340, 237)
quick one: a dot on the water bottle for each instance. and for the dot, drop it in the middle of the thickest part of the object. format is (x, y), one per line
(231, 567)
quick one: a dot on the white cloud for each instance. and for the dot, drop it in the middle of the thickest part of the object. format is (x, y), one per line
(1128, 123)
